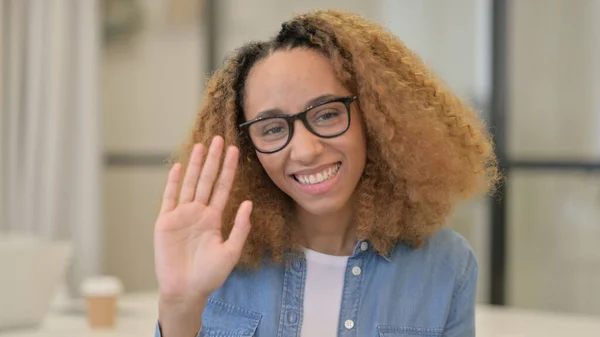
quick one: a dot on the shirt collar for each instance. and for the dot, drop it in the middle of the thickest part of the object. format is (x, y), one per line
(390, 254)
(364, 246)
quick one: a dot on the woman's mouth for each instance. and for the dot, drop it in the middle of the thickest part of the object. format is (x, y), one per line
(320, 182)
(317, 178)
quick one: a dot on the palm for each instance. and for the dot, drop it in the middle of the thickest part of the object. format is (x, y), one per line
(191, 257)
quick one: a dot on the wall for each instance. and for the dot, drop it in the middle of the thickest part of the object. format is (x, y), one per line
(554, 256)
(150, 89)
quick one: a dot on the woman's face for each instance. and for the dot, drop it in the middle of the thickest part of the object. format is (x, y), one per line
(319, 174)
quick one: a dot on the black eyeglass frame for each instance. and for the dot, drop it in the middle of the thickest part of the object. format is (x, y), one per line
(290, 119)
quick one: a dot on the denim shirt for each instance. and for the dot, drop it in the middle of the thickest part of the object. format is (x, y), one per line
(422, 292)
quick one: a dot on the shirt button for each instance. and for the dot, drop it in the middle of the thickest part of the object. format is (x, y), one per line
(349, 324)
(292, 317)
(364, 246)
(356, 271)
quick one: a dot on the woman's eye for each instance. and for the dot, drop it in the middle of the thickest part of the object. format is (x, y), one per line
(328, 115)
(272, 131)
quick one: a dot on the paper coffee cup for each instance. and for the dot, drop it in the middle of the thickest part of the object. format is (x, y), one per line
(102, 296)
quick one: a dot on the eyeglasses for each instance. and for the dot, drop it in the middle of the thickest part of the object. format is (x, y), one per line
(326, 120)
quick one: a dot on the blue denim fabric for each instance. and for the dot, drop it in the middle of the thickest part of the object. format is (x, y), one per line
(423, 292)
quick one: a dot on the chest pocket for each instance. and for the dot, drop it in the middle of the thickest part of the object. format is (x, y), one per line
(408, 331)
(222, 319)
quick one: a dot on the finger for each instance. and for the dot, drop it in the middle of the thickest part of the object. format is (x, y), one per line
(188, 189)
(170, 194)
(223, 185)
(241, 228)
(210, 170)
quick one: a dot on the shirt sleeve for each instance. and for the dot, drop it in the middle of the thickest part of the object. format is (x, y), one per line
(461, 319)
(158, 332)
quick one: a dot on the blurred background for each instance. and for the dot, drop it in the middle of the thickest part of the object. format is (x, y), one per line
(95, 95)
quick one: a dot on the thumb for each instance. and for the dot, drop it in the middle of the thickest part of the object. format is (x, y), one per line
(241, 228)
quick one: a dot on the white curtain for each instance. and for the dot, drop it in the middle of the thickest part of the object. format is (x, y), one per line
(50, 149)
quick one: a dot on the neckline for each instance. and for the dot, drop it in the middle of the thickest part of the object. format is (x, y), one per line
(321, 258)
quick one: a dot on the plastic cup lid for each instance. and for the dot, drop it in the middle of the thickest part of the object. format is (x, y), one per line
(101, 286)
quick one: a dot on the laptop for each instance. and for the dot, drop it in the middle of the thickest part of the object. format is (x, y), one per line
(31, 271)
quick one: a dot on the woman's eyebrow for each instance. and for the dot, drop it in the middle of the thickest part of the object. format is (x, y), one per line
(319, 99)
(311, 102)
(270, 113)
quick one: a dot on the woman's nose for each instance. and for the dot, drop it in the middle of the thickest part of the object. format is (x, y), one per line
(304, 145)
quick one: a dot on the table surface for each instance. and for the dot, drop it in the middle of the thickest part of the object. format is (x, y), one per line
(138, 312)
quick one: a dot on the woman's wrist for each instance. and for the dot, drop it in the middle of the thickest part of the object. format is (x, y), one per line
(180, 316)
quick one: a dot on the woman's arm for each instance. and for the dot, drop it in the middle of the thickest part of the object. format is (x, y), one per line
(179, 319)
(191, 257)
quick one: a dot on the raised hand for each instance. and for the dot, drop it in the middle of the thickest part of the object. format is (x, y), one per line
(191, 257)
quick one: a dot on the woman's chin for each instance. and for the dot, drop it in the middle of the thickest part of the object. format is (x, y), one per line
(321, 207)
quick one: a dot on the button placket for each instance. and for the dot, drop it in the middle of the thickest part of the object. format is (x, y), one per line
(352, 290)
(293, 284)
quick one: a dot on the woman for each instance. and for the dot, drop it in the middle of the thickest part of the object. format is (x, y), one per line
(349, 156)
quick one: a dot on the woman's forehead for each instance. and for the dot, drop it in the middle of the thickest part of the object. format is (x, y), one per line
(287, 80)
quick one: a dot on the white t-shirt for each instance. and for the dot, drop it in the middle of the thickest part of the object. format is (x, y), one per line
(322, 293)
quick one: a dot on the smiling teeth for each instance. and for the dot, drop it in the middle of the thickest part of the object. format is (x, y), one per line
(319, 177)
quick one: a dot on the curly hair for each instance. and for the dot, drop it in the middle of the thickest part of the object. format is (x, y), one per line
(426, 149)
